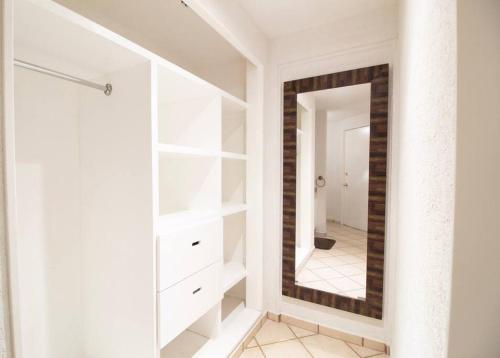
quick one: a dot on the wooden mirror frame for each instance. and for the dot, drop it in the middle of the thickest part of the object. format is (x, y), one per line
(378, 76)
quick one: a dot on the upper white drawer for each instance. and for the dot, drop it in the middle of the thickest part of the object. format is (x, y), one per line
(182, 304)
(185, 252)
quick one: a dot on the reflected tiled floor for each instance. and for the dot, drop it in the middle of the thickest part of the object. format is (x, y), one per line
(278, 340)
(342, 269)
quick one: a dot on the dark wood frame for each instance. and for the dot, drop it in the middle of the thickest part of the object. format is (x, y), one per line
(378, 76)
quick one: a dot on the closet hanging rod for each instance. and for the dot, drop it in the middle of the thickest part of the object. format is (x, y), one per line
(107, 88)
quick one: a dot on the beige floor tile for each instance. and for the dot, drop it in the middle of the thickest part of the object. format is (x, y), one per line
(361, 279)
(326, 273)
(348, 270)
(323, 347)
(333, 261)
(353, 250)
(338, 251)
(318, 285)
(252, 353)
(272, 332)
(301, 332)
(252, 343)
(307, 275)
(315, 263)
(286, 349)
(358, 294)
(345, 284)
(363, 352)
(340, 245)
(320, 253)
(361, 266)
(351, 259)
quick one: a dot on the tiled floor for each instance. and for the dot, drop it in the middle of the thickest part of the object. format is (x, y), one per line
(280, 340)
(341, 270)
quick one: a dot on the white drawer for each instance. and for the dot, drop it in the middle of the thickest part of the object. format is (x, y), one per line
(187, 251)
(182, 304)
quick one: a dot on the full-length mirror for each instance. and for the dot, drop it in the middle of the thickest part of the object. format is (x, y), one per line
(333, 143)
(334, 189)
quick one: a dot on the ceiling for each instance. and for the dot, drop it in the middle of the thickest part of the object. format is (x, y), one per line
(281, 17)
(343, 102)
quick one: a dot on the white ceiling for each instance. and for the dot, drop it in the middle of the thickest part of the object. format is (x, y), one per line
(343, 102)
(281, 17)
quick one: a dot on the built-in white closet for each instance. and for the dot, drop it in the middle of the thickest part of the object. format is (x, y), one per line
(133, 215)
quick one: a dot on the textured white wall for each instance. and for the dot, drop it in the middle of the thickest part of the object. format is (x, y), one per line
(475, 309)
(427, 130)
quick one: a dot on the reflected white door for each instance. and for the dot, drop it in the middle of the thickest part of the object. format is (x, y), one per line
(356, 170)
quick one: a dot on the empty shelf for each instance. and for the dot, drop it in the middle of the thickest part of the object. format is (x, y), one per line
(233, 208)
(230, 155)
(230, 335)
(231, 306)
(173, 149)
(234, 272)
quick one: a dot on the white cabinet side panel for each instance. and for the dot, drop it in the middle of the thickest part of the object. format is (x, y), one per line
(117, 218)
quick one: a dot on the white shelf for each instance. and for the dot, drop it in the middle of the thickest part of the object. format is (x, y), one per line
(230, 155)
(233, 208)
(173, 149)
(234, 272)
(230, 335)
(187, 344)
(183, 219)
(231, 307)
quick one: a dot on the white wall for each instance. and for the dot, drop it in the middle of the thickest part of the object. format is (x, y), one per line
(427, 125)
(321, 169)
(4, 292)
(336, 128)
(48, 195)
(475, 300)
(351, 43)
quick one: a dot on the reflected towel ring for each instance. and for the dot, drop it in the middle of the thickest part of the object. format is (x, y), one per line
(320, 182)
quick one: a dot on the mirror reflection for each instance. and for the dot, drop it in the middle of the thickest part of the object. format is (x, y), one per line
(333, 136)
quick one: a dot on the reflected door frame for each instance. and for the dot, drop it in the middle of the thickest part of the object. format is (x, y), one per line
(378, 76)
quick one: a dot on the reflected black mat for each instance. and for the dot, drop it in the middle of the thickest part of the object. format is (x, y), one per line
(323, 243)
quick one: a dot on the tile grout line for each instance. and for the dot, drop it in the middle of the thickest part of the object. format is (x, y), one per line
(352, 349)
(298, 338)
(268, 344)
(260, 348)
(258, 344)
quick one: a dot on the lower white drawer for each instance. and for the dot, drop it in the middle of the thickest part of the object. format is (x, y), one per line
(187, 251)
(182, 304)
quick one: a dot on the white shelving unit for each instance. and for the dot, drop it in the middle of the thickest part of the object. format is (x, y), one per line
(146, 194)
(202, 156)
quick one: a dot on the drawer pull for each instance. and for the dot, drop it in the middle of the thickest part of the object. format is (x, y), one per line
(197, 290)
(195, 243)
